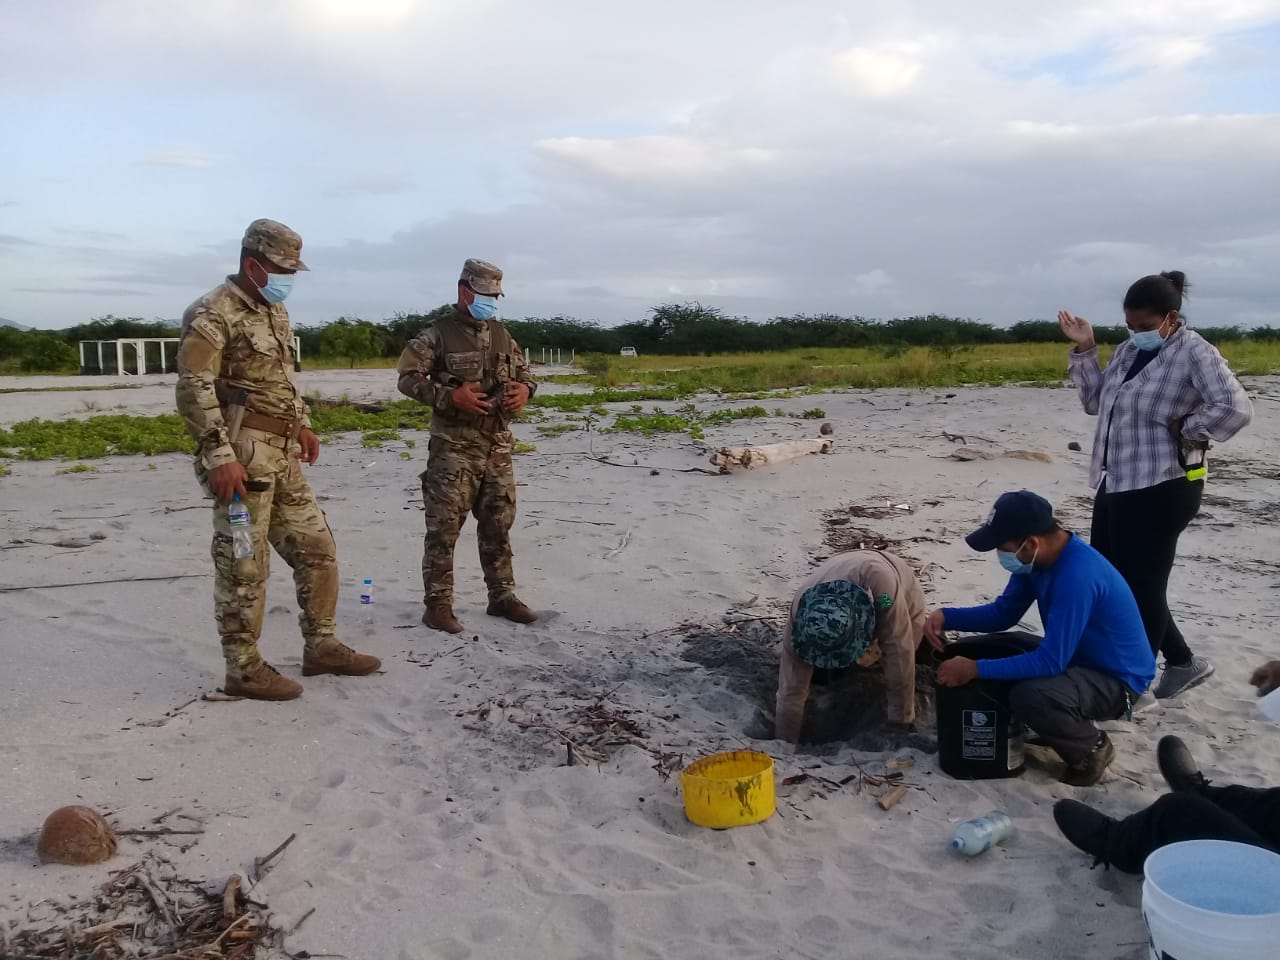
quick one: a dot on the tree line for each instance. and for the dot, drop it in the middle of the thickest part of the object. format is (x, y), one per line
(684, 329)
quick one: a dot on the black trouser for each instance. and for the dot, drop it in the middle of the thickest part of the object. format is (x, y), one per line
(1062, 709)
(1243, 814)
(1138, 532)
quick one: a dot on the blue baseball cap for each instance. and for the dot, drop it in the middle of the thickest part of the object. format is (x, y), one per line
(1017, 515)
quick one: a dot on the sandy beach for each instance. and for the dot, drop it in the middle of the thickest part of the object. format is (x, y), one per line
(435, 814)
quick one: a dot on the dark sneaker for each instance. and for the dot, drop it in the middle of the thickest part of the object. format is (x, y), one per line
(1176, 680)
(1087, 772)
(340, 660)
(1084, 827)
(260, 681)
(1178, 767)
(440, 616)
(511, 609)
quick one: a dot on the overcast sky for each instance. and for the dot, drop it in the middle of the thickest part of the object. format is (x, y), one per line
(770, 158)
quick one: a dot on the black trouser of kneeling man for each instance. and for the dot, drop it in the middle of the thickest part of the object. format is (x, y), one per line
(1241, 814)
(1062, 709)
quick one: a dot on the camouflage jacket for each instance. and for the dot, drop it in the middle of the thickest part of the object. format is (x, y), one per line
(229, 336)
(455, 351)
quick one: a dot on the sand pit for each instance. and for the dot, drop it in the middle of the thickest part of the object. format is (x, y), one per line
(846, 708)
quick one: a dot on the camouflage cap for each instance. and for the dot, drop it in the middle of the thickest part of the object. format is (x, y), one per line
(276, 242)
(833, 625)
(482, 277)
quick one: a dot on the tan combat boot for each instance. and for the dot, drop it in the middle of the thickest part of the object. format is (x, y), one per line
(512, 609)
(439, 616)
(340, 660)
(260, 681)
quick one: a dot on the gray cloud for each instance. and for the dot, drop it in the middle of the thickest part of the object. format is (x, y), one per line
(373, 184)
(85, 291)
(900, 161)
(90, 235)
(178, 159)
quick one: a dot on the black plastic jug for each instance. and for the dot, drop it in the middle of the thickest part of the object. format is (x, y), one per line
(979, 738)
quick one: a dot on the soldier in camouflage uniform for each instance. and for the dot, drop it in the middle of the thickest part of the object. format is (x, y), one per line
(472, 372)
(239, 399)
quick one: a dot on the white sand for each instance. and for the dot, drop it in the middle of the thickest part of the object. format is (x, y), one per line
(424, 832)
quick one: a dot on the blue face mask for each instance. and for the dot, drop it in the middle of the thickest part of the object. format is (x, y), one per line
(277, 287)
(484, 308)
(1009, 560)
(1147, 339)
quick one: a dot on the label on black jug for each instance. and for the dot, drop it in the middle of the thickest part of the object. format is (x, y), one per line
(978, 735)
(1017, 745)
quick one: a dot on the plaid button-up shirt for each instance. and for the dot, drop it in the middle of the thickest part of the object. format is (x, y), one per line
(1181, 400)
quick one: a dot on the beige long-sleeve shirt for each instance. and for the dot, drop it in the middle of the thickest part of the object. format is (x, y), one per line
(900, 616)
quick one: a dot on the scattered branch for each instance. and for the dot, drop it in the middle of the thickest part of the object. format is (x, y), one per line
(94, 583)
(262, 865)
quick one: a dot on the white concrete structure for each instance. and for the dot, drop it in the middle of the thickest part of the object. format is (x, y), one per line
(136, 349)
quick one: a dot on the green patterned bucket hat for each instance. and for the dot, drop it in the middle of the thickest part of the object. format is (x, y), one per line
(833, 625)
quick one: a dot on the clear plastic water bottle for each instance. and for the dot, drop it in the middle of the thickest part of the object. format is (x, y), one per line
(366, 601)
(981, 833)
(241, 538)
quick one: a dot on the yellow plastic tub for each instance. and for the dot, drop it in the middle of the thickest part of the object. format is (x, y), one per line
(729, 789)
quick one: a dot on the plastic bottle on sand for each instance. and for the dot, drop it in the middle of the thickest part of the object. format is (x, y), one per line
(981, 833)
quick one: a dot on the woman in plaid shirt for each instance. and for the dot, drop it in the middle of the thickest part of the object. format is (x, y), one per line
(1163, 397)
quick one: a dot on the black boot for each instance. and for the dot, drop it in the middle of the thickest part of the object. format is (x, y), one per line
(1178, 767)
(1085, 828)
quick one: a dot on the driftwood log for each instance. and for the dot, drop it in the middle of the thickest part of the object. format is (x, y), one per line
(755, 456)
(977, 453)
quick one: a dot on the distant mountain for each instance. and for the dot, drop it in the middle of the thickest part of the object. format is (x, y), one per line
(10, 323)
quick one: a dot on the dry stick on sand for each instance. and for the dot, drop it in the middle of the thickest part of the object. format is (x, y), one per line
(229, 894)
(622, 545)
(158, 832)
(893, 798)
(262, 865)
(644, 466)
(963, 438)
(594, 523)
(94, 583)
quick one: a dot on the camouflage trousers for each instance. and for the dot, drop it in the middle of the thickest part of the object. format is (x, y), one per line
(284, 516)
(468, 471)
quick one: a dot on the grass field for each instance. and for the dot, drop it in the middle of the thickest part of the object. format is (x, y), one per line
(631, 380)
(1039, 363)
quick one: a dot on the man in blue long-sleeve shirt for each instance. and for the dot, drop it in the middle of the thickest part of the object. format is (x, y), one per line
(1094, 661)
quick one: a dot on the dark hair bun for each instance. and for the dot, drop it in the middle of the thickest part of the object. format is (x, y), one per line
(1178, 279)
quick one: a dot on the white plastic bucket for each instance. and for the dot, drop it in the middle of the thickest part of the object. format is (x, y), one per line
(1212, 900)
(1270, 705)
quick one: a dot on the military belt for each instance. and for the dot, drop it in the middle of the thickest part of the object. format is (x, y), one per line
(289, 429)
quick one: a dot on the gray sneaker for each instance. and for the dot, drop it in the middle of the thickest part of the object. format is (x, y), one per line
(1174, 680)
(1144, 703)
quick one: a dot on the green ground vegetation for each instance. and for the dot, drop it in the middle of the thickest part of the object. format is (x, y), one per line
(661, 381)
